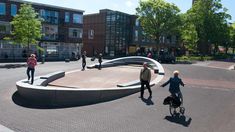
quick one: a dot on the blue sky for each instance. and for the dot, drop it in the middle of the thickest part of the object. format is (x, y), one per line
(127, 6)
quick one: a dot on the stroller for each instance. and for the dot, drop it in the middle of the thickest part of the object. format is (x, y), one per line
(175, 105)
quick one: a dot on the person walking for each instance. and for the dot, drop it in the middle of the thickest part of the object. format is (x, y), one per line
(145, 77)
(100, 60)
(174, 87)
(149, 55)
(31, 62)
(83, 60)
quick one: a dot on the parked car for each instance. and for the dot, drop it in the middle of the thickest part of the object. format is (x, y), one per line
(166, 57)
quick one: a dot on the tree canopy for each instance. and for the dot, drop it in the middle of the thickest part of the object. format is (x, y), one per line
(26, 26)
(158, 17)
(189, 35)
(210, 19)
(232, 36)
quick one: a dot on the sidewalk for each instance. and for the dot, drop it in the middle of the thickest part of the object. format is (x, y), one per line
(13, 65)
(232, 67)
(216, 64)
(5, 129)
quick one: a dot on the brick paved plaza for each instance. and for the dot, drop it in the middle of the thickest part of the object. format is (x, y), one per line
(105, 78)
(208, 99)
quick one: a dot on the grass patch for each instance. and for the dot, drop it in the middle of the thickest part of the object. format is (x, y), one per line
(194, 58)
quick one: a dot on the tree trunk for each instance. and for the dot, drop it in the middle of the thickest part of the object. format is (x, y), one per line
(28, 50)
(14, 53)
(215, 49)
(203, 48)
(214, 52)
(157, 42)
(226, 50)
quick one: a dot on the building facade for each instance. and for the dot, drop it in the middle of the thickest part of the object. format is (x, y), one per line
(116, 34)
(140, 42)
(107, 32)
(62, 31)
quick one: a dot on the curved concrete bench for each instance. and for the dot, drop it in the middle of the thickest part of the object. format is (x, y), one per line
(132, 83)
(46, 79)
(83, 96)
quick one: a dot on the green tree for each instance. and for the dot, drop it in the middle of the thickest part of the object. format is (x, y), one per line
(158, 17)
(189, 36)
(210, 19)
(26, 26)
(232, 36)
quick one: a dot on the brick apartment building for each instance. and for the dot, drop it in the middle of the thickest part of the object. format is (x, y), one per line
(62, 28)
(114, 33)
(107, 32)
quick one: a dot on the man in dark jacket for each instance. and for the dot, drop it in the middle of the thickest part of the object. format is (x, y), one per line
(174, 87)
(83, 60)
(100, 60)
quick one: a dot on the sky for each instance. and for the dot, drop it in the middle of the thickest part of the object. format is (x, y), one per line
(127, 6)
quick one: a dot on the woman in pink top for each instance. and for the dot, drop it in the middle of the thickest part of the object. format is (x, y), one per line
(32, 62)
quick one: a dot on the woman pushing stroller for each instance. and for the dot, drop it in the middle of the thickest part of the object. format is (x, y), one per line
(174, 87)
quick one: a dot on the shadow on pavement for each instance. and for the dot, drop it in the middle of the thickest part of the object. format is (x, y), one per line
(148, 101)
(179, 119)
(47, 104)
(21, 101)
(10, 66)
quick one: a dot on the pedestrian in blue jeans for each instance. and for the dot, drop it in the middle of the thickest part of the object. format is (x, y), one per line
(31, 62)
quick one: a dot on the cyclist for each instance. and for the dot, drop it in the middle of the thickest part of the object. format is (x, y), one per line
(174, 87)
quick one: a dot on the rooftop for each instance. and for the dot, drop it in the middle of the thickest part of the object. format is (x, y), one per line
(47, 5)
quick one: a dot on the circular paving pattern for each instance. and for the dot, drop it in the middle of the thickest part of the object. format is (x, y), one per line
(118, 78)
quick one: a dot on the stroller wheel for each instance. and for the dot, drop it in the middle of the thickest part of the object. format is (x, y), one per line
(172, 110)
(182, 110)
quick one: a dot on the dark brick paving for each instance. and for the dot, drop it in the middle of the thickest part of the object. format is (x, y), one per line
(210, 109)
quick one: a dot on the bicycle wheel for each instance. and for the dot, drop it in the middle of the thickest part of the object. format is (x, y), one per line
(172, 110)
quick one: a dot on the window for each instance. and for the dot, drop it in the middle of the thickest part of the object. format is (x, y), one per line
(113, 18)
(49, 16)
(66, 17)
(52, 50)
(50, 32)
(2, 8)
(91, 34)
(5, 27)
(13, 9)
(77, 18)
(137, 22)
(136, 35)
(53, 17)
(75, 33)
(42, 12)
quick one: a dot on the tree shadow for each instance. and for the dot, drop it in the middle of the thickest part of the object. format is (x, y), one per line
(148, 101)
(180, 119)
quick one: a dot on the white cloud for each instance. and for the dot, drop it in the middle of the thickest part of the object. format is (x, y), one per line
(115, 6)
(129, 3)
